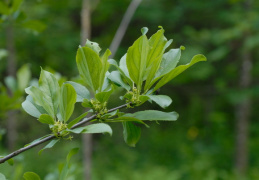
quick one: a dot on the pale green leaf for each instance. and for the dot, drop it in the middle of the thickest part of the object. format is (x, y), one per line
(67, 101)
(65, 169)
(32, 108)
(23, 77)
(136, 60)
(152, 115)
(40, 99)
(115, 76)
(49, 145)
(178, 70)
(31, 176)
(2, 177)
(144, 30)
(131, 133)
(90, 66)
(126, 119)
(73, 122)
(81, 91)
(105, 67)
(93, 128)
(104, 96)
(162, 100)
(46, 119)
(49, 85)
(11, 83)
(86, 103)
(93, 45)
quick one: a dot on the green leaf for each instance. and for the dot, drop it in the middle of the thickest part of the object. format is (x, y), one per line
(168, 63)
(73, 122)
(34, 25)
(162, 100)
(126, 119)
(2, 177)
(40, 99)
(81, 91)
(104, 96)
(105, 67)
(93, 128)
(67, 101)
(157, 43)
(131, 133)
(11, 83)
(65, 169)
(23, 77)
(37, 140)
(178, 70)
(49, 85)
(93, 45)
(46, 119)
(10, 162)
(32, 108)
(31, 176)
(4, 9)
(16, 5)
(86, 103)
(90, 66)
(115, 76)
(49, 145)
(152, 115)
(136, 60)
(144, 30)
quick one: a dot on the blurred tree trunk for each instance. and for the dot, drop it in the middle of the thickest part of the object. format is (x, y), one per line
(243, 109)
(86, 138)
(11, 71)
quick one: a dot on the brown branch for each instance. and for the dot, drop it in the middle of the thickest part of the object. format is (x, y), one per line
(85, 120)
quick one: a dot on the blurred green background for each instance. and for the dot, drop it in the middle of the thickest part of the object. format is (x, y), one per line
(217, 134)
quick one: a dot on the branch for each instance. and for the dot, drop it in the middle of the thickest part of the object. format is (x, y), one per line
(85, 120)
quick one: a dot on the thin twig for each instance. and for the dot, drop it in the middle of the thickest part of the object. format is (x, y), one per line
(85, 120)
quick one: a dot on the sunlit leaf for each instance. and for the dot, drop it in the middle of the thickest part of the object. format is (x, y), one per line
(104, 96)
(32, 108)
(46, 119)
(81, 91)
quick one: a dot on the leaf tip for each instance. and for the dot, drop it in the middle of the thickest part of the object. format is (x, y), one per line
(144, 30)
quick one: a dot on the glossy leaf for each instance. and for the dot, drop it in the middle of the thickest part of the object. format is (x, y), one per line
(31, 108)
(73, 122)
(136, 60)
(152, 115)
(46, 119)
(89, 65)
(49, 145)
(162, 100)
(67, 101)
(178, 70)
(131, 133)
(23, 77)
(65, 169)
(49, 85)
(31, 176)
(115, 76)
(93, 128)
(81, 91)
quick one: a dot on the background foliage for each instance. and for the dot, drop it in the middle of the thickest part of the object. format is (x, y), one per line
(201, 144)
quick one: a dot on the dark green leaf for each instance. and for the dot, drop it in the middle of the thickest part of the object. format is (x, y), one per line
(31, 176)
(49, 145)
(81, 91)
(131, 133)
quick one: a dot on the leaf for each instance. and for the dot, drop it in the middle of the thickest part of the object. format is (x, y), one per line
(31, 176)
(11, 83)
(136, 60)
(93, 128)
(2, 177)
(67, 101)
(131, 133)
(162, 100)
(23, 77)
(40, 99)
(93, 45)
(178, 70)
(16, 5)
(115, 77)
(73, 122)
(168, 63)
(86, 103)
(31, 108)
(152, 115)
(105, 67)
(89, 65)
(4, 9)
(81, 91)
(37, 140)
(34, 25)
(126, 119)
(10, 162)
(46, 119)
(49, 85)
(65, 169)
(157, 43)
(49, 145)
(104, 96)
